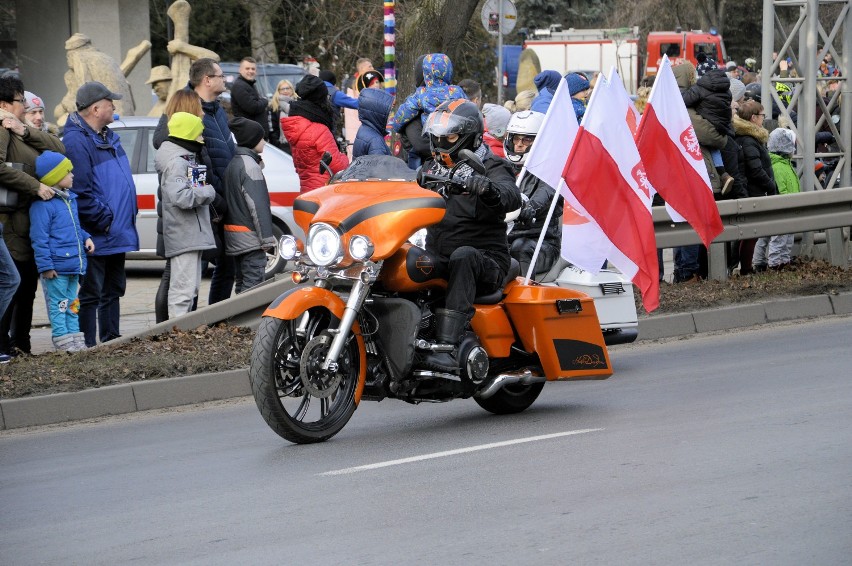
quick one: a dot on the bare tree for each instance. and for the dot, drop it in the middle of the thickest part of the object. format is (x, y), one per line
(262, 38)
(430, 26)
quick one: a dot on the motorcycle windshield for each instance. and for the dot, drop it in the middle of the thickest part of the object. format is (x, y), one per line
(377, 168)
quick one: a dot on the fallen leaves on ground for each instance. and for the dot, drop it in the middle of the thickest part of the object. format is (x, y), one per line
(202, 350)
(223, 347)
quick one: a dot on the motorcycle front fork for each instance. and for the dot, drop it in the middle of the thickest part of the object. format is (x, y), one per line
(357, 296)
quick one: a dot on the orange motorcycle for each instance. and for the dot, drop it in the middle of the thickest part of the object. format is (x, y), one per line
(361, 315)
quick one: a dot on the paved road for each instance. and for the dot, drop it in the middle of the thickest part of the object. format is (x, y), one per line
(718, 449)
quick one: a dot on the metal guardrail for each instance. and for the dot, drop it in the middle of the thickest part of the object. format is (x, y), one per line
(765, 216)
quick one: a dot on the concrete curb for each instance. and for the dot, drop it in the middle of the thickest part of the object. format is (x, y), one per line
(188, 390)
(123, 399)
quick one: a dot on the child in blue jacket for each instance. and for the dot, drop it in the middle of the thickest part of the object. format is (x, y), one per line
(437, 88)
(60, 245)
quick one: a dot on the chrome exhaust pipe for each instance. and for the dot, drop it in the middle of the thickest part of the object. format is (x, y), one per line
(495, 384)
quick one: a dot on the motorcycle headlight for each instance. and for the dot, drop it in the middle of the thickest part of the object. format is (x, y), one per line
(288, 247)
(324, 247)
(361, 248)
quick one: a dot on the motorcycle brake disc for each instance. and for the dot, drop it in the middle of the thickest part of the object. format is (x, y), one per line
(318, 382)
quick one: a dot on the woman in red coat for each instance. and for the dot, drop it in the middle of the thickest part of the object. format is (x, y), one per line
(308, 129)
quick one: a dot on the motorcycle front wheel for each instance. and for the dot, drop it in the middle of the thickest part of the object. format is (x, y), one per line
(299, 400)
(511, 399)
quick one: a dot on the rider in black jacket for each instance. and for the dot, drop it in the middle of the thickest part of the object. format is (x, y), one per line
(469, 246)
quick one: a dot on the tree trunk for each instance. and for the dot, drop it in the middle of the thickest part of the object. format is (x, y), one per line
(430, 26)
(262, 39)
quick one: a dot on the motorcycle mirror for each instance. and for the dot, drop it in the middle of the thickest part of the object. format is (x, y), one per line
(472, 160)
(325, 163)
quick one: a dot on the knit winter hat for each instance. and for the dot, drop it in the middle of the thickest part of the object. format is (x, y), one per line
(705, 66)
(782, 141)
(33, 102)
(737, 89)
(365, 80)
(313, 89)
(248, 133)
(51, 167)
(576, 83)
(327, 76)
(185, 126)
(496, 119)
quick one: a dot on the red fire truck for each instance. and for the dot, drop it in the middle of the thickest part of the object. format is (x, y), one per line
(682, 45)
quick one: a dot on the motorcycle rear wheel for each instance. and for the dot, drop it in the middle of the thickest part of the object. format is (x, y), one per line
(511, 399)
(297, 399)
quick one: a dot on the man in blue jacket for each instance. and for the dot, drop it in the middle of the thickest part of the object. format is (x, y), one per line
(106, 199)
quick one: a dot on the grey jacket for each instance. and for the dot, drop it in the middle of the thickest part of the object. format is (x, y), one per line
(248, 222)
(186, 211)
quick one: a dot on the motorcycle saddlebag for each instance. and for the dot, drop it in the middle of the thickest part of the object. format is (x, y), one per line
(561, 326)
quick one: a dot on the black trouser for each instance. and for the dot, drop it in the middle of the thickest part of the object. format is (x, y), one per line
(469, 272)
(522, 250)
(102, 288)
(222, 282)
(18, 320)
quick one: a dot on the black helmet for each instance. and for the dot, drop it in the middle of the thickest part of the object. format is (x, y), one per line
(455, 117)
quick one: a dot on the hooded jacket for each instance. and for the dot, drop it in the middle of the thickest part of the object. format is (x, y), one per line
(308, 141)
(374, 106)
(711, 98)
(755, 162)
(21, 149)
(58, 239)
(103, 183)
(786, 178)
(186, 214)
(436, 89)
(248, 225)
(546, 82)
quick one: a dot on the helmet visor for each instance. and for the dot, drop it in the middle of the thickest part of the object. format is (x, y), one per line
(442, 124)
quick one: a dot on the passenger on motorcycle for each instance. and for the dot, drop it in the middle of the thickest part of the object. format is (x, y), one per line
(469, 246)
(537, 195)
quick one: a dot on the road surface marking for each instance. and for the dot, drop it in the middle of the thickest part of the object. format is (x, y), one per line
(455, 452)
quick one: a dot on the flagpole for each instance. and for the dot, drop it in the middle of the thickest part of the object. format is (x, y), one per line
(531, 269)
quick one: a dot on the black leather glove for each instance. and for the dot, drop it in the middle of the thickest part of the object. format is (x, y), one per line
(478, 185)
(527, 215)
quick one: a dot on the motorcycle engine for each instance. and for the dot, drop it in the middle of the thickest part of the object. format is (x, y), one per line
(473, 359)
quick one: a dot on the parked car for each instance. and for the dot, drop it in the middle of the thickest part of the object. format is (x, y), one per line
(137, 133)
(268, 75)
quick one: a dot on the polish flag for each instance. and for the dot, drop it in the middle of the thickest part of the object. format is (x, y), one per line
(672, 158)
(605, 174)
(583, 242)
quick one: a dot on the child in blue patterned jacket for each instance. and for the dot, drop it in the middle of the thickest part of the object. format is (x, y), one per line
(437, 76)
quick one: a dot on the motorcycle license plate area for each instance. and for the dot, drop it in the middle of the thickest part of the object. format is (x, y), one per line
(561, 325)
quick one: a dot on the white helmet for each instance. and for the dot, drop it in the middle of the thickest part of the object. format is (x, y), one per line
(525, 123)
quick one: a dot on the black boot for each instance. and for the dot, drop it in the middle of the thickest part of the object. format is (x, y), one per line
(449, 331)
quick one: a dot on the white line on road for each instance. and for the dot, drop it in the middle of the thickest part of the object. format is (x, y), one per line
(455, 452)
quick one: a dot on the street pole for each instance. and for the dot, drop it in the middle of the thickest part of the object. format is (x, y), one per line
(500, 55)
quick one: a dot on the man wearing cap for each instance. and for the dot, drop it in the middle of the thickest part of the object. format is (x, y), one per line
(20, 145)
(161, 82)
(246, 101)
(106, 199)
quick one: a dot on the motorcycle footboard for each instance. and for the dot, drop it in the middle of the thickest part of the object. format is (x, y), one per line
(562, 327)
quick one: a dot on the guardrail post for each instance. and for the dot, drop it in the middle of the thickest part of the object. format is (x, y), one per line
(717, 262)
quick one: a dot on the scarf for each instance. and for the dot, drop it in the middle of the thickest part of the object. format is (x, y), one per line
(464, 170)
(189, 145)
(321, 114)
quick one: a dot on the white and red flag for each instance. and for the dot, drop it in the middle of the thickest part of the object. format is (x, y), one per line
(583, 242)
(605, 174)
(673, 161)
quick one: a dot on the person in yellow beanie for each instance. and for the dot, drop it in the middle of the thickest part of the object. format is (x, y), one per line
(186, 195)
(60, 246)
